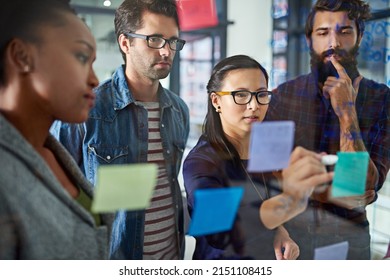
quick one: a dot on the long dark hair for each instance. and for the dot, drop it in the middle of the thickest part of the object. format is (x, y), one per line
(212, 126)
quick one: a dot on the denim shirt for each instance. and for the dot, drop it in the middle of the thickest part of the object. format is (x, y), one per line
(116, 132)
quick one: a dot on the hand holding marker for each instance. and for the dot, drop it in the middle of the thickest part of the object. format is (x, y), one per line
(326, 160)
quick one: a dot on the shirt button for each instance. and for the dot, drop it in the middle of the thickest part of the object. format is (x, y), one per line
(168, 152)
(162, 125)
(108, 157)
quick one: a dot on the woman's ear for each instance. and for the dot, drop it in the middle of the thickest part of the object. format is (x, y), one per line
(215, 100)
(20, 56)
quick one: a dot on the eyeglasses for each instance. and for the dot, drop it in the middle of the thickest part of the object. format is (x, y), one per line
(158, 42)
(243, 97)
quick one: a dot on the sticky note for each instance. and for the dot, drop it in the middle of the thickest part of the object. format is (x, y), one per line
(214, 210)
(197, 14)
(337, 251)
(271, 144)
(124, 187)
(350, 174)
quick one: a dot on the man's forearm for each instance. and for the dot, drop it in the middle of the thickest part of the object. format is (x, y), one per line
(351, 141)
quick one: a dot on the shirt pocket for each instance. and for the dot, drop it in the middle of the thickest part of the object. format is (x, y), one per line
(102, 155)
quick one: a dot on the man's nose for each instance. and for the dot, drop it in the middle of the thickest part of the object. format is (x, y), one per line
(166, 50)
(334, 41)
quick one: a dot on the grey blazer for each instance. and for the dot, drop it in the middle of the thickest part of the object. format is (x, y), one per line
(38, 218)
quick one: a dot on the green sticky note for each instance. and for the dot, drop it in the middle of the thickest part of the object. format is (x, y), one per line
(350, 174)
(124, 187)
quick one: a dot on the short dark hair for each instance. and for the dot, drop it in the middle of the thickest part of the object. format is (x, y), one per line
(357, 10)
(128, 16)
(212, 127)
(23, 19)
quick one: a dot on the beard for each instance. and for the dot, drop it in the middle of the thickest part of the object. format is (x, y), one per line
(322, 70)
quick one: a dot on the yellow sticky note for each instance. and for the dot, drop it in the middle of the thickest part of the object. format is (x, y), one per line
(124, 187)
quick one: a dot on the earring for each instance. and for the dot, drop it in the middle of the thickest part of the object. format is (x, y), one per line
(26, 68)
(218, 110)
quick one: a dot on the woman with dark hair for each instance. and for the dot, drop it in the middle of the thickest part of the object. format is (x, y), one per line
(46, 56)
(238, 97)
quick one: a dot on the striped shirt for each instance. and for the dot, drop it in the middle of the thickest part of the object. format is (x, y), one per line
(160, 238)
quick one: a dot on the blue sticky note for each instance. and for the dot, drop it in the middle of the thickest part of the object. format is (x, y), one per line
(214, 210)
(271, 144)
(350, 174)
(338, 251)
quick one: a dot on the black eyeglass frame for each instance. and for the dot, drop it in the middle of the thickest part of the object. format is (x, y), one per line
(253, 93)
(148, 37)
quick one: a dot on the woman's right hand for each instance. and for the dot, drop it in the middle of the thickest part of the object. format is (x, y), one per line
(304, 172)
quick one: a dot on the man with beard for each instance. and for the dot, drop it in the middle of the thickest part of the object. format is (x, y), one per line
(136, 120)
(335, 109)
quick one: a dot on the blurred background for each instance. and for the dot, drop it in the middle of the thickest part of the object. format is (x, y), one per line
(271, 31)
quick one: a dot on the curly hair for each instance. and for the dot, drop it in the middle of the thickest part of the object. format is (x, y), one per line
(357, 10)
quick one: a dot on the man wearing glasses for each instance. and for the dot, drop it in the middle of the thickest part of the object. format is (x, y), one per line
(136, 120)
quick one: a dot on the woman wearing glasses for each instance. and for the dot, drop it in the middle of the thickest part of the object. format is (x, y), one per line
(238, 97)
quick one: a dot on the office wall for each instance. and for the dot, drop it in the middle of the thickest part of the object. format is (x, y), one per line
(252, 30)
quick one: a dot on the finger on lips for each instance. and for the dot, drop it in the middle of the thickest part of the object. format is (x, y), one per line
(340, 69)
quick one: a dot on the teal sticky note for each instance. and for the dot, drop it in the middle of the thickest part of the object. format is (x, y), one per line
(124, 187)
(350, 174)
(214, 210)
